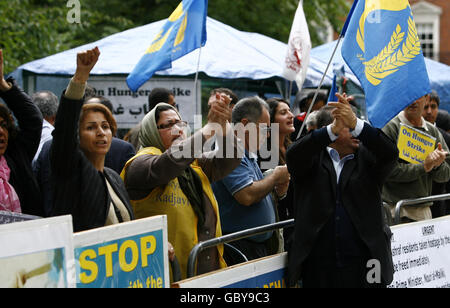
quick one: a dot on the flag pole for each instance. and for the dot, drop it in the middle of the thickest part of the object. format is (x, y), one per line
(288, 98)
(343, 31)
(196, 75)
(318, 88)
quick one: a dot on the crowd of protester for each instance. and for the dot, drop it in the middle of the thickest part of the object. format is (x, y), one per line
(62, 157)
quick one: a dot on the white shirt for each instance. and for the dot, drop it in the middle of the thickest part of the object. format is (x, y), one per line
(46, 135)
(339, 163)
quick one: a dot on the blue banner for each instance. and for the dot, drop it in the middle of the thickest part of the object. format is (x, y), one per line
(131, 262)
(269, 280)
(382, 48)
(184, 31)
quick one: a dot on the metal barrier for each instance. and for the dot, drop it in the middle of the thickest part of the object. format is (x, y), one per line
(230, 238)
(387, 214)
(401, 203)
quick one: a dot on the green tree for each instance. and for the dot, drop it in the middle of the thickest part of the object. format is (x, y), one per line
(27, 33)
(269, 17)
(32, 29)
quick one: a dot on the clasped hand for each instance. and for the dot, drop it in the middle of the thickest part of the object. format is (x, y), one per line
(435, 159)
(343, 114)
(220, 112)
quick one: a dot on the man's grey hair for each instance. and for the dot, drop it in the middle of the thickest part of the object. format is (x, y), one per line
(47, 102)
(250, 108)
(311, 121)
(324, 116)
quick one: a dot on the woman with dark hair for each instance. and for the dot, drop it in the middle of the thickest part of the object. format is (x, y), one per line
(281, 115)
(19, 191)
(83, 187)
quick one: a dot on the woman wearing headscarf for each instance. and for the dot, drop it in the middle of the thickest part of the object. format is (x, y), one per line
(83, 187)
(19, 191)
(165, 178)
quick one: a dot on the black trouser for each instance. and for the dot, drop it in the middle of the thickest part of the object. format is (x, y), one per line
(252, 250)
(323, 273)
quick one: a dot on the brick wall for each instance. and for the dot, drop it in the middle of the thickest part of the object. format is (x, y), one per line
(444, 55)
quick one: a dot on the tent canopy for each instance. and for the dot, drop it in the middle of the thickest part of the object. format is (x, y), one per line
(228, 54)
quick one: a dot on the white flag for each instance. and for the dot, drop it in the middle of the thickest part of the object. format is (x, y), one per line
(299, 47)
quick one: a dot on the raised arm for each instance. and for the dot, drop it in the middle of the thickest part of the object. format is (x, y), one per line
(65, 147)
(383, 151)
(149, 171)
(28, 116)
(227, 156)
(436, 162)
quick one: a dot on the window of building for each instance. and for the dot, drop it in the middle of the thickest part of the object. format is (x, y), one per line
(427, 17)
(426, 35)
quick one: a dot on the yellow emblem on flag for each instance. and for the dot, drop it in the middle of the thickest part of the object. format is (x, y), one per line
(375, 5)
(179, 11)
(180, 35)
(160, 40)
(395, 54)
(391, 58)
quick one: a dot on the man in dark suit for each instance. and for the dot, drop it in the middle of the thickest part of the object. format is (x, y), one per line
(340, 238)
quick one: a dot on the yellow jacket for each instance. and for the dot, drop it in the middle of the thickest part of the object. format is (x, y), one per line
(171, 201)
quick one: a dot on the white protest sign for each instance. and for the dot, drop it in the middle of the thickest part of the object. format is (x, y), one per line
(131, 107)
(421, 254)
(131, 254)
(7, 217)
(266, 272)
(37, 254)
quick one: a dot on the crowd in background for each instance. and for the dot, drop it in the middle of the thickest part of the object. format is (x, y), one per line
(62, 157)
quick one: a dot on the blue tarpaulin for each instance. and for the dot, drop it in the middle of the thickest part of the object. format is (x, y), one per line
(228, 54)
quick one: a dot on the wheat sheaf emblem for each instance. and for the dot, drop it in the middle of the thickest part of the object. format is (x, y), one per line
(392, 57)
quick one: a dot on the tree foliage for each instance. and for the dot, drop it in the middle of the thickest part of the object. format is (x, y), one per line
(32, 29)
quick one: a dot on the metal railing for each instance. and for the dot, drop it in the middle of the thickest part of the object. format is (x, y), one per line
(230, 238)
(401, 203)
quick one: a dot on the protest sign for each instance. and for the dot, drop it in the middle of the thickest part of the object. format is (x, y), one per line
(37, 254)
(129, 108)
(10, 217)
(262, 273)
(126, 255)
(421, 254)
(414, 145)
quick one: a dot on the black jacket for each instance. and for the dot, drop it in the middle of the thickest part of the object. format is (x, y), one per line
(119, 153)
(21, 149)
(361, 183)
(79, 188)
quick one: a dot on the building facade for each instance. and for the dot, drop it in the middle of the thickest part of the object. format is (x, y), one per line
(432, 19)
